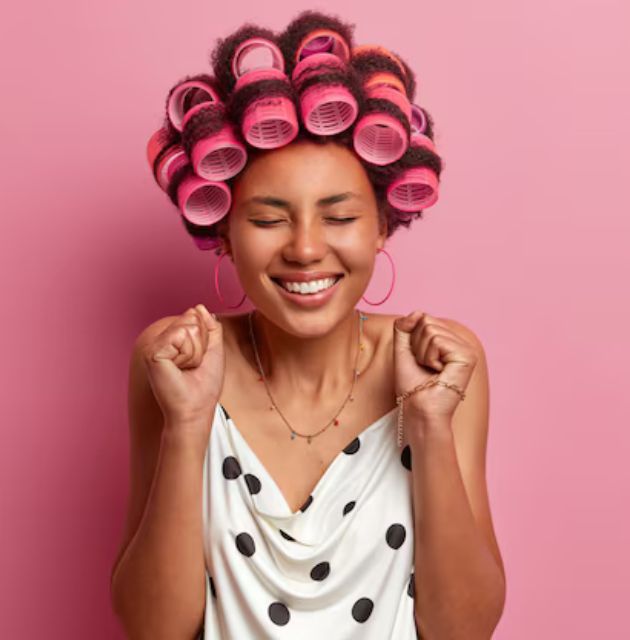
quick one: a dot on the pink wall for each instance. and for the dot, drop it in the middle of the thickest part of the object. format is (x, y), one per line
(528, 245)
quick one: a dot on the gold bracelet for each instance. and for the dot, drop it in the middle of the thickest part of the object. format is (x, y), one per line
(428, 383)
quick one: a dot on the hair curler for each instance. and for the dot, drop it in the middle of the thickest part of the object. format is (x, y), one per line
(201, 201)
(270, 121)
(367, 49)
(379, 137)
(417, 187)
(205, 237)
(218, 155)
(327, 108)
(206, 243)
(186, 95)
(170, 157)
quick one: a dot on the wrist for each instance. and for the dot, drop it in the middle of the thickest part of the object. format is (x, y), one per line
(420, 426)
(187, 433)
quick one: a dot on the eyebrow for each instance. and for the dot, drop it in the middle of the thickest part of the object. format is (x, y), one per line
(283, 204)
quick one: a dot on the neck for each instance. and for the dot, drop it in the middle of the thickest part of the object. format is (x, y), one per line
(314, 368)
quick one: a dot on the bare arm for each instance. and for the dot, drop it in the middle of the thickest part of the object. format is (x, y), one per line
(158, 581)
(459, 573)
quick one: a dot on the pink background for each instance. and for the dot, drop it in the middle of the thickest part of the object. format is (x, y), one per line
(528, 245)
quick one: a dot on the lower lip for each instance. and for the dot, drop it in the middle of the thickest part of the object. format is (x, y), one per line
(310, 299)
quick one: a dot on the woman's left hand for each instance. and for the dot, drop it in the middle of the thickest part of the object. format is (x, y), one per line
(426, 346)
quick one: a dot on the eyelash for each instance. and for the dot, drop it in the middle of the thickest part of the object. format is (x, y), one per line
(270, 223)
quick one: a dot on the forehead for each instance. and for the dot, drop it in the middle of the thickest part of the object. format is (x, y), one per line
(303, 170)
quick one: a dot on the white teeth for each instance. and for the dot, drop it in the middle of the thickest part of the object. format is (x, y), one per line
(308, 287)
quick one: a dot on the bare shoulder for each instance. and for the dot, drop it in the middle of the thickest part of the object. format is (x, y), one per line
(385, 324)
(381, 326)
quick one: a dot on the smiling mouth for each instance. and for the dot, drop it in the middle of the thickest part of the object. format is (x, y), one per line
(278, 283)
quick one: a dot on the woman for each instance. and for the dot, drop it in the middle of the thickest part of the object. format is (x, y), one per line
(340, 476)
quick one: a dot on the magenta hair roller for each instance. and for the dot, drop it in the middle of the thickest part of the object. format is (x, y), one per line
(379, 137)
(326, 109)
(185, 96)
(271, 121)
(203, 202)
(418, 120)
(217, 156)
(170, 161)
(206, 243)
(157, 142)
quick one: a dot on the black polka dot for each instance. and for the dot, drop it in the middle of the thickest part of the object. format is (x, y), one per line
(307, 504)
(245, 544)
(252, 482)
(395, 536)
(231, 468)
(279, 613)
(227, 415)
(362, 609)
(320, 571)
(213, 591)
(411, 587)
(286, 536)
(352, 447)
(349, 507)
(405, 457)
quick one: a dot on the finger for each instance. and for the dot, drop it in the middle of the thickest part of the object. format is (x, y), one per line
(181, 339)
(404, 328)
(172, 345)
(408, 322)
(203, 331)
(428, 328)
(210, 318)
(434, 351)
(194, 352)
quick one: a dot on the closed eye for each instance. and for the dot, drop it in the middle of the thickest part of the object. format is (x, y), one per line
(269, 223)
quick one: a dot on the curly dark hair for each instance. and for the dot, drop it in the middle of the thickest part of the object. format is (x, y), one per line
(352, 76)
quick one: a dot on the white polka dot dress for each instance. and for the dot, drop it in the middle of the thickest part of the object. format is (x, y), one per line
(341, 567)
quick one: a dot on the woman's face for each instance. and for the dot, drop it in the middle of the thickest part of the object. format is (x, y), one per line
(301, 209)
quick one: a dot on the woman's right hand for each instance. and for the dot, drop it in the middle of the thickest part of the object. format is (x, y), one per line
(186, 365)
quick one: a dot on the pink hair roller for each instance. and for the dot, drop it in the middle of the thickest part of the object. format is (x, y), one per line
(203, 202)
(417, 187)
(326, 109)
(218, 156)
(379, 138)
(268, 122)
(171, 161)
(323, 41)
(196, 91)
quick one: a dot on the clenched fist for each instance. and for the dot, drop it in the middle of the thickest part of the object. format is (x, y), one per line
(185, 365)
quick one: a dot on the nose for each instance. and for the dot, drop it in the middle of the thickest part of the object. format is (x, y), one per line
(307, 242)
